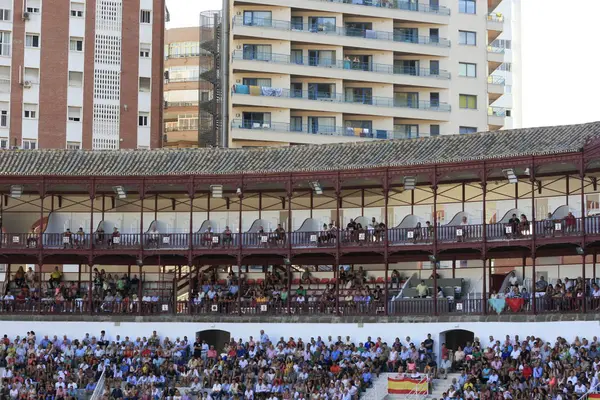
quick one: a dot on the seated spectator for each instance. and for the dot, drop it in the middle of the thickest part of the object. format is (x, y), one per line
(20, 277)
(541, 284)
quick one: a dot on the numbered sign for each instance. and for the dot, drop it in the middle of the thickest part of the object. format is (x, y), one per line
(116, 240)
(313, 238)
(558, 226)
(214, 308)
(361, 236)
(263, 307)
(459, 232)
(166, 239)
(66, 240)
(165, 307)
(264, 239)
(16, 239)
(459, 306)
(410, 234)
(508, 229)
(215, 239)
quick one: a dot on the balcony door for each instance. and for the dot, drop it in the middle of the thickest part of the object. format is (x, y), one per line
(407, 67)
(359, 95)
(321, 125)
(320, 91)
(256, 120)
(322, 24)
(407, 99)
(358, 29)
(321, 58)
(258, 18)
(261, 52)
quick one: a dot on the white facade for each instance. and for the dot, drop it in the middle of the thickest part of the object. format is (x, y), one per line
(414, 60)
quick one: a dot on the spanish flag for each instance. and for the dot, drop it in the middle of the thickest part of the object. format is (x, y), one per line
(404, 385)
(593, 396)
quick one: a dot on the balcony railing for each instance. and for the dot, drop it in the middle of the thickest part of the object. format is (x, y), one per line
(358, 238)
(396, 5)
(342, 31)
(340, 98)
(177, 80)
(180, 128)
(496, 80)
(497, 112)
(311, 129)
(181, 104)
(497, 50)
(342, 64)
(495, 17)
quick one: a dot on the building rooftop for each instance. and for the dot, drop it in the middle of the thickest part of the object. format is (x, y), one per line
(328, 157)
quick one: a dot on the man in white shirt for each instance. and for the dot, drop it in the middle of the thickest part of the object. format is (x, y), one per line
(60, 384)
(515, 353)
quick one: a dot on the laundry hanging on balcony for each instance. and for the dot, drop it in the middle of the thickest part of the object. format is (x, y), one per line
(269, 91)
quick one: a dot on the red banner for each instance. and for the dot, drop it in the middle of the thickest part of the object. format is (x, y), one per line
(515, 304)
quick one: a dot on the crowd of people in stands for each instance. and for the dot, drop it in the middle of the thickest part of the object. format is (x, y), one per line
(354, 290)
(529, 368)
(158, 367)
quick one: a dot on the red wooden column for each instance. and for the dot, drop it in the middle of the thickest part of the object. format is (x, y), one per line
(533, 304)
(338, 192)
(140, 284)
(142, 194)
(290, 192)
(386, 191)
(434, 187)
(533, 232)
(484, 282)
(584, 308)
(90, 288)
(41, 226)
(92, 193)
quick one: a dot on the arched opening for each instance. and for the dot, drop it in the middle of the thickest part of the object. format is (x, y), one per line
(214, 337)
(455, 338)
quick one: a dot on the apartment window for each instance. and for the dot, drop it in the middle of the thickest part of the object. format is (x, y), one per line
(144, 84)
(76, 44)
(4, 79)
(406, 131)
(265, 82)
(29, 144)
(3, 143)
(32, 40)
(257, 18)
(33, 6)
(467, 6)
(144, 50)
(5, 43)
(467, 69)
(73, 145)
(322, 24)
(468, 101)
(30, 111)
(261, 52)
(5, 14)
(143, 119)
(4, 115)
(295, 124)
(145, 16)
(502, 44)
(75, 78)
(505, 67)
(77, 9)
(466, 129)
(204, 95)
(297, 23)
(467, 38)
(74, 114)
(434, 130)
(31, 75)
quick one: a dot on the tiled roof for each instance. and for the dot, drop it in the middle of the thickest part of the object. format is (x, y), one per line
(361, 155)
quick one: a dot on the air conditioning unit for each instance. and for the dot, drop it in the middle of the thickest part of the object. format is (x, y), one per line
(27, 84)
(26, 16)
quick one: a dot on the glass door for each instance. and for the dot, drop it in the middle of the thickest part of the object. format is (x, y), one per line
(406, 100)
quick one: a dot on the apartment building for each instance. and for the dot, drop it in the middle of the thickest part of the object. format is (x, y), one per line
(319, 71)
(182, 87)
(81, 74)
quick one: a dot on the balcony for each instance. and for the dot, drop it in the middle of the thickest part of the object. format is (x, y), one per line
(496, 116)
(496, 86)
(255, 96)
(305, 134)
(180, 105)
(495, 58)
(495, 26)
(344, 69)
(397, 9)
(339, 36)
